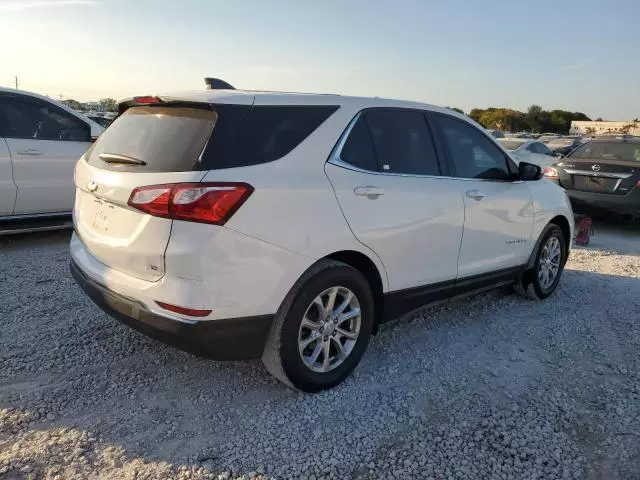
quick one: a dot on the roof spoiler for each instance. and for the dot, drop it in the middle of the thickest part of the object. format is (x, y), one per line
(217, 84)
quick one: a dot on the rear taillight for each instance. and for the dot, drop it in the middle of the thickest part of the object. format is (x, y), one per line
(147, 100)
(153, 200)
(550, 172)
(213, 203)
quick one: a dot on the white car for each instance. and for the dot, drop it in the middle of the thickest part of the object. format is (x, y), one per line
(40, 143)
(530, 151)
(287, 227)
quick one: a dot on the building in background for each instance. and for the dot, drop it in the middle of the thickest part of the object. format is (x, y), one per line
(603, 127)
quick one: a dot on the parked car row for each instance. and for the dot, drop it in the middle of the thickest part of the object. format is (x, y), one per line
(558, 144)
(564, 145)
(526, 150)
(40, 143)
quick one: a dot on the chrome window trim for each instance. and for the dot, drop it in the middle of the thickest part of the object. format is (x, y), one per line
(334, 159)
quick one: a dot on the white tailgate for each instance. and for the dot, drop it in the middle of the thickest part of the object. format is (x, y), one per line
(117, 235)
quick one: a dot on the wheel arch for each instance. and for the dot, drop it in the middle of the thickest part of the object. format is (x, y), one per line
(371, 273)
(562, 222)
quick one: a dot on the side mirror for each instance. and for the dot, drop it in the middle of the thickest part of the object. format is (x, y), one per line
(557, 155)
(529, 171)
(96, 131)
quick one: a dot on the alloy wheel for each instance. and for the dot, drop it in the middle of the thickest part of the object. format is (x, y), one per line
(329, 329)
(549, 264)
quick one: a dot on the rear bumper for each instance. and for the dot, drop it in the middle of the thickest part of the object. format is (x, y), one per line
(229, 339)
(629, 203)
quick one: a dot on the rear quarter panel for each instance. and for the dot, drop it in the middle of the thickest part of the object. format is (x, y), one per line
(294, 206)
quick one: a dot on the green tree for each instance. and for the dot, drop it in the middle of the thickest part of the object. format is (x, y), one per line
(534, 118)
(110, 105)
(560, 120)
(476, 113)
(71, 103)
(499, 118)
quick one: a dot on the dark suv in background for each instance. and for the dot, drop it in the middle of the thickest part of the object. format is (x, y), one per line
(602, 174)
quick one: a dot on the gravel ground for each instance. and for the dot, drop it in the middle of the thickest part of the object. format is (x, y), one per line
(494, 386)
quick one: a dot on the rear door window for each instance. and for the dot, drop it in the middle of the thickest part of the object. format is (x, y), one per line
(34, 119)
(402, 141)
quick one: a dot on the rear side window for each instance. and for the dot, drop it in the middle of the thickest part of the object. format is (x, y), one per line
(358, 149)
(266, 134)
(177, 138)
(402, 141)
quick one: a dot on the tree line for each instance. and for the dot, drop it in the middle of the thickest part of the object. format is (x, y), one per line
(109, 104)
(535, 119)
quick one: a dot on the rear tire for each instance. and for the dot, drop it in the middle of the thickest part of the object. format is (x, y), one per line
(541, 280)
(312, 345)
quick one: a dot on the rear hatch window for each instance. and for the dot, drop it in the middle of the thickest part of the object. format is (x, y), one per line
(154, 139)
(608, 151)
(179, 138)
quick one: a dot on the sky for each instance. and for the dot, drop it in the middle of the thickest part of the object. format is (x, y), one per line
(566, 54)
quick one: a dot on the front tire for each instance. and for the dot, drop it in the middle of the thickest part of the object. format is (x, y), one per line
(542, 279)
(322, 328)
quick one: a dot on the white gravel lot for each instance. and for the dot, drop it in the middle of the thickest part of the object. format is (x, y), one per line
(495, 386)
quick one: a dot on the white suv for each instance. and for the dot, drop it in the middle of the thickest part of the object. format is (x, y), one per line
(287, 227)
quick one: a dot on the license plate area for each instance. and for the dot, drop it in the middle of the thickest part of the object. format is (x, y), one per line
(595, 184)
(102, 215)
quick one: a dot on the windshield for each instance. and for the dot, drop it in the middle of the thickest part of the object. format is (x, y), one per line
(608, 151)
(510, 144)
(102, 121)
(561, 142)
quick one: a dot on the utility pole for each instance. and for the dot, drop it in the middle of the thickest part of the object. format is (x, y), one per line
(16, 77)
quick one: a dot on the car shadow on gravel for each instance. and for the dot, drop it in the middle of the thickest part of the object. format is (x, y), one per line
(613, 235)
(30, 240)
(465, 383)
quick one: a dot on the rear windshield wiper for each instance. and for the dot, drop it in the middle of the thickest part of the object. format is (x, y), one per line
(114, 158)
